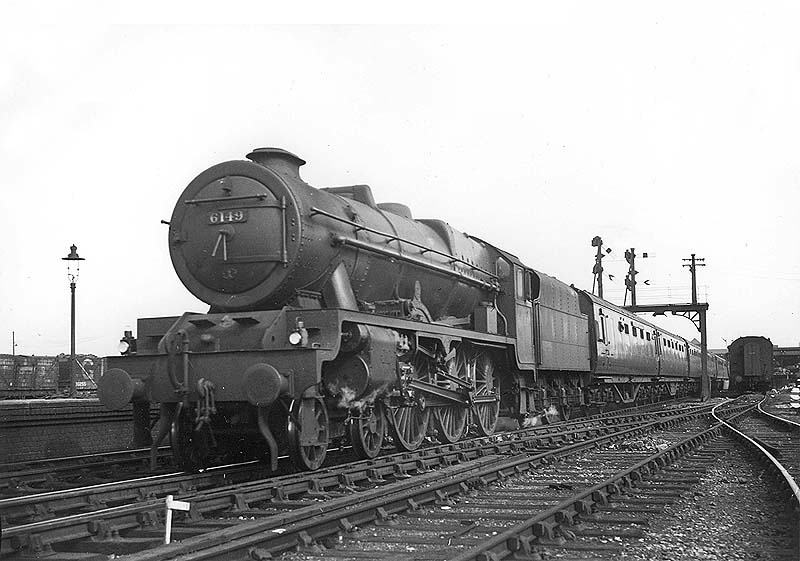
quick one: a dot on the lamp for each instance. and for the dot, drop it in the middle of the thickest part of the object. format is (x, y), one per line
(73, 272)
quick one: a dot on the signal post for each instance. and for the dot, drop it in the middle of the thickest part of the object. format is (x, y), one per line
(696, 313)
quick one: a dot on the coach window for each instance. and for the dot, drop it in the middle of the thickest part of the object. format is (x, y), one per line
(648, 335)
(626, 329)
(641, 334)
(633, 328)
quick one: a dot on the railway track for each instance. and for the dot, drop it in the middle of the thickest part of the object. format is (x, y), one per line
(39, 476)
(127, 517)
(775, 441)
(779, 405)
(57, 474)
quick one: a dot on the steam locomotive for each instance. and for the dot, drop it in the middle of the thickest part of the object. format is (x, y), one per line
(336, 319)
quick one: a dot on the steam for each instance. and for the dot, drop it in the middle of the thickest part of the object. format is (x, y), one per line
(534, 421)
(529, 422)
(347, 398)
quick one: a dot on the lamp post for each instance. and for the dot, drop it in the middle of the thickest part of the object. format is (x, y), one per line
(73, 272)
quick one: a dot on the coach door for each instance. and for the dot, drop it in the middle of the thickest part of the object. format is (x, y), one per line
(524, 315)
(603, 337)
(657, 342)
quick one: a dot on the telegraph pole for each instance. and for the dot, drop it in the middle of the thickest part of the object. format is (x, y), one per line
(705, 381)
(693, 264)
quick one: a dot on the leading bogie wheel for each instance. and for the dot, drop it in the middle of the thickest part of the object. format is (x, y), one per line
(307, 433)
(367, 428)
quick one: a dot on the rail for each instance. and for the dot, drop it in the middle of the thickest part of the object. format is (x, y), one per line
(771, 460)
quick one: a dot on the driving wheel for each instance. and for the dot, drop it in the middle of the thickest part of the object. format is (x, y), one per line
(409, 426)
(451, 422)
(486, 404)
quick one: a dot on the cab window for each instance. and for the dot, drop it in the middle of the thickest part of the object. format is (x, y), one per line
(519, 279)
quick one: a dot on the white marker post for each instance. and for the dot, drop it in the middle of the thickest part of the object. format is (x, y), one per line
(795, 397)
(173, 505)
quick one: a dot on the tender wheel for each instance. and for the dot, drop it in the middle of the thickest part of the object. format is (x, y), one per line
(451, 423)
(192, 449)
(486, 405)
(367, 428)
(307, 433)
(409, 426)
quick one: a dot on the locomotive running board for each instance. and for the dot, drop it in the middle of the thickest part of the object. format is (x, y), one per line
(431, 266)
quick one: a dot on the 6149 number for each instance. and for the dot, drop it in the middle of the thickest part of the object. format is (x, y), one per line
(227, 216)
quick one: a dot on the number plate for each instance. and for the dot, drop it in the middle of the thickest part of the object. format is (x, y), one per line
(227, 216)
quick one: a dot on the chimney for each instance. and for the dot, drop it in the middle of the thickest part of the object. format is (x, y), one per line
(278, 160)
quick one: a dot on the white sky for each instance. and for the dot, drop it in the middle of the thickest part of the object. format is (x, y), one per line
(674, 132)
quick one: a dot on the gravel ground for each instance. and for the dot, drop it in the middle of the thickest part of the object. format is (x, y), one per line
(780, 405)
(726, 517)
